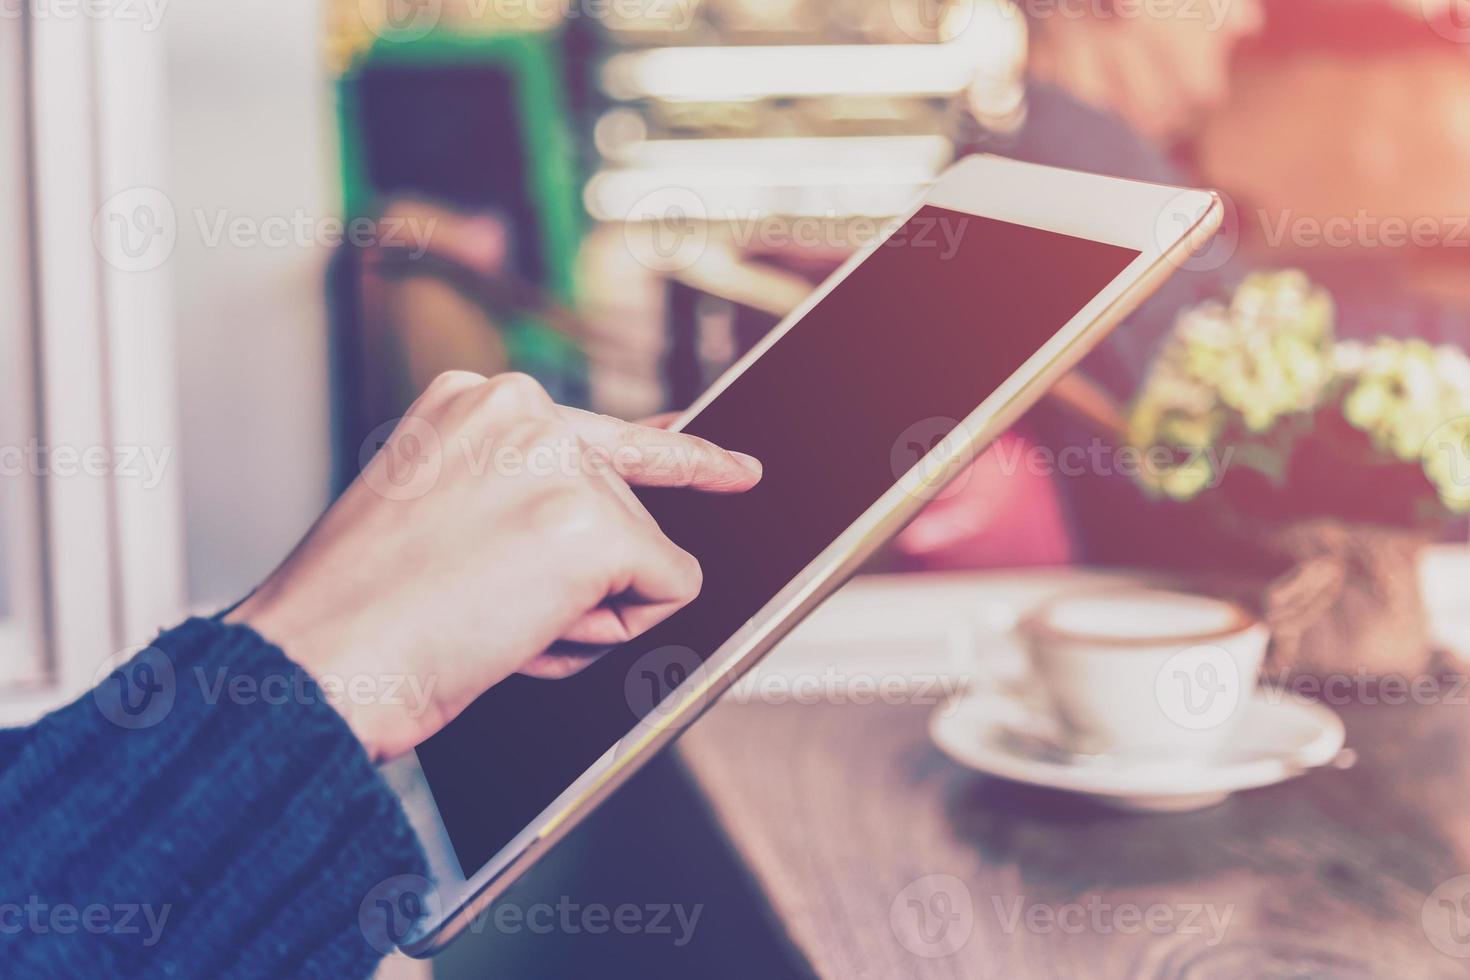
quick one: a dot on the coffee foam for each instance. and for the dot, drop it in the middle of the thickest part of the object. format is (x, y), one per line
(1142, 615)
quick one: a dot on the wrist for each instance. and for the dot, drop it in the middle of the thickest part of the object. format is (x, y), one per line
(313, 652)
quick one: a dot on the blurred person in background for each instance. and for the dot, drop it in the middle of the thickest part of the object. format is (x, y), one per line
(1160, 67)
(1109, 89)
(1138, 91)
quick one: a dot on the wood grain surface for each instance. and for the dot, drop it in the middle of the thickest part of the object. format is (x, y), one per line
(884, 859)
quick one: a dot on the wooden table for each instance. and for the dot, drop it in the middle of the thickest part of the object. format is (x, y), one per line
(883, 859)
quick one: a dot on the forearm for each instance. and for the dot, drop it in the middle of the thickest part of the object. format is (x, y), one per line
(209, 795)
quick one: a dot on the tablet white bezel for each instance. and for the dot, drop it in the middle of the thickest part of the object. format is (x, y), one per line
(1166, 225)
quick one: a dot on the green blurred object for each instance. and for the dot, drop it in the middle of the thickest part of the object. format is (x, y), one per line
(428, 86)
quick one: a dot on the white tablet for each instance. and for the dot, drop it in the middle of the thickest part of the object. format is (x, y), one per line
(861, 404)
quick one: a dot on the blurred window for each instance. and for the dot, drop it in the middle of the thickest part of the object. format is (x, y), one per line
(21, 648)
(89, 521)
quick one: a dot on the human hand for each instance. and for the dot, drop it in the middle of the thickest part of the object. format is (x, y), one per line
(494, 531)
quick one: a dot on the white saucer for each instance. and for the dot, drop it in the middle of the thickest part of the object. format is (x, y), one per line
(1279, 737)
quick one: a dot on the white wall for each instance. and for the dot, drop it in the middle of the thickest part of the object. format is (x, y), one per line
(251, 138)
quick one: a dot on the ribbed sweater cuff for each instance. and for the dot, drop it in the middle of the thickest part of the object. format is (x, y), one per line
(209, 786)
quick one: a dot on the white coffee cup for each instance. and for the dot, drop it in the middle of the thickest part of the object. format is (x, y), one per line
(1145, 671)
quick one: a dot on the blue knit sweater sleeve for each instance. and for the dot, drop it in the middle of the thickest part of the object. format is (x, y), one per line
(204, 812)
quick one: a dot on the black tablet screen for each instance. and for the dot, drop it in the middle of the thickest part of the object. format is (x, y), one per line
(948, 308)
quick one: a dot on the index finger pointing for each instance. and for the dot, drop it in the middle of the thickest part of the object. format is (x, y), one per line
(649, 457)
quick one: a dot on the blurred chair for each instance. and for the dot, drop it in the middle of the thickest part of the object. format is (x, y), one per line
(455, 148)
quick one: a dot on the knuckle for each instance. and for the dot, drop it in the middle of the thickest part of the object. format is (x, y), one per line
(694, 579)
(449, 383)
(445, 388)
(516, 392)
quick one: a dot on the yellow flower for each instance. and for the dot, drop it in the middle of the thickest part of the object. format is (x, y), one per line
(1402, 395)
(1185, 482)
(1248, 363)
(1368, 404)
(1447, 463)
(1241, 368)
